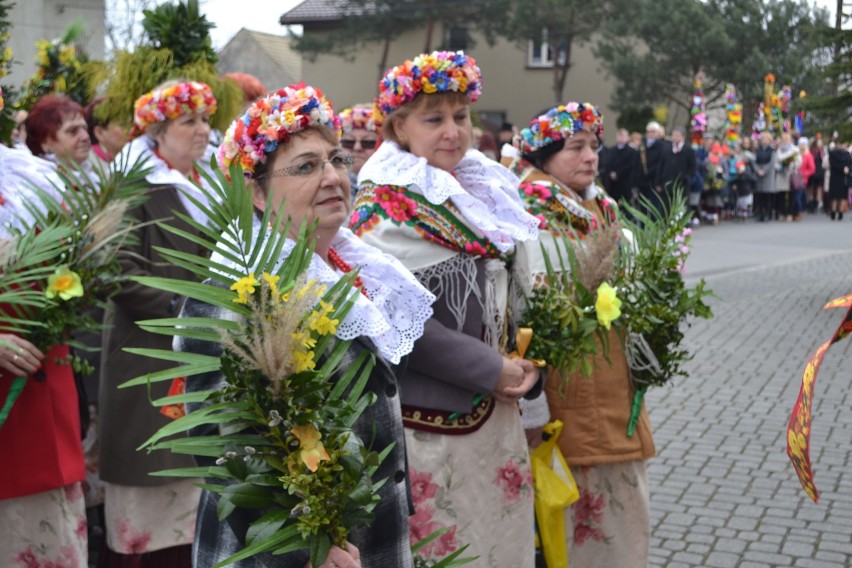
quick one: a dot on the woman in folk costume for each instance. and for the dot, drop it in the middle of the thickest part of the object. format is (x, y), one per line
(42, 510)
(609, 525)
(453, 217)
(151, 520)
(297, 164)
(360, 137)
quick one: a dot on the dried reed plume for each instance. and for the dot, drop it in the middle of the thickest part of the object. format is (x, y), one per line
(103, 225)
(266, 340)
(7, 250)
(597, 254)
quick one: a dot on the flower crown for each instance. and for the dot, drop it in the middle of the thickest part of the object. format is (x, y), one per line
(359, 116)
(271, 121)
(171, 102)
(560, 123)
(436, 72)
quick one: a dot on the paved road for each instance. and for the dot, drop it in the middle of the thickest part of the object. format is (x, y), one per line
(723, 493)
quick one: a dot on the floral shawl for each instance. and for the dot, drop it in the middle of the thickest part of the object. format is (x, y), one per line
(437, 224)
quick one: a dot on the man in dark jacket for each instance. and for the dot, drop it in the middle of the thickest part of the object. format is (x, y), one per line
(621, 168)
(679, 164)
(651, 162)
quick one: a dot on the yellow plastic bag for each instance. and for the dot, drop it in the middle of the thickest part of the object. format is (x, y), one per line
(555, 489)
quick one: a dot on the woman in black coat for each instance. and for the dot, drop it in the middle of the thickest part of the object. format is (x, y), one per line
(840, 165)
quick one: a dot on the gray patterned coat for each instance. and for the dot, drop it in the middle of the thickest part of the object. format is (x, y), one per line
(385, 543)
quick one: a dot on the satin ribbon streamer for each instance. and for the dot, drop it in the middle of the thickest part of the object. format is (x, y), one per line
(14, 392)
(523, 338)
(799, 426)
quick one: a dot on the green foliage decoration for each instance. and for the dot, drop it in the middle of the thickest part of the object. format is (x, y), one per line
(182, 29)
(177, 46)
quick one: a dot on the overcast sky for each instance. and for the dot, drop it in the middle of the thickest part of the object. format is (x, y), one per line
(257, 15)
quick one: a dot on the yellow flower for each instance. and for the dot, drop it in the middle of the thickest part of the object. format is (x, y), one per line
(244, 287)
(306, 288)
(303, 361)
(272, 281)
(304, 339)
(322, 324)
(67, 53)
(607, 306)
(64, 283)
(312, 451)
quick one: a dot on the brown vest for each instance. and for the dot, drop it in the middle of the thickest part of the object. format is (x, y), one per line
(596, 410)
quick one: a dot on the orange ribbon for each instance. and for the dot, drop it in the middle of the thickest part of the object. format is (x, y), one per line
(799, 426)
(523, 338)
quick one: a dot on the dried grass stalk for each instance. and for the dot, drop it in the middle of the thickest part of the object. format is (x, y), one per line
(267, 340)
(104, 225)
(597, 254)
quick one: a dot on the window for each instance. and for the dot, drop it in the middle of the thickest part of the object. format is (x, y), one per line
(540, 53)
(456, 38)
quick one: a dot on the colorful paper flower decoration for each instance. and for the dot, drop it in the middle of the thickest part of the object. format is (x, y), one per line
(436, 72)
(271, 121)
(560, 123)
(171, 102)
(358, 117)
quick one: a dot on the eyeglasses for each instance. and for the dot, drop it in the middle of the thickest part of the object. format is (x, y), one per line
(340, 162)
(366, 144)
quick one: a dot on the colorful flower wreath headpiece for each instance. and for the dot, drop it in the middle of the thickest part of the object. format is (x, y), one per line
(271, 121)
(560, 123)
(436, 72)
(359, 116)
(171, 102)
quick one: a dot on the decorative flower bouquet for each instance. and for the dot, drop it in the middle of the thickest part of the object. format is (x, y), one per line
(656, 300)
(275, 429)
(571, 316)
(59, 68)
(60, 261)
(647, 300)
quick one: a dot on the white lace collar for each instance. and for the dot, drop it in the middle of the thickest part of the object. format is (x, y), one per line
(485, 192)
(162, 174)
(398, 306)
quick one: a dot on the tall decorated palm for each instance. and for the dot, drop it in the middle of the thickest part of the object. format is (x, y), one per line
(176, 44)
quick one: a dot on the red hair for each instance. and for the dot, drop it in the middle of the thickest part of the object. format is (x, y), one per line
(46, 118)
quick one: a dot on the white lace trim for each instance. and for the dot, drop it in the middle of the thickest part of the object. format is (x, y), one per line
(485, 192)
(19, 171)
(398, 306)
(162, 174)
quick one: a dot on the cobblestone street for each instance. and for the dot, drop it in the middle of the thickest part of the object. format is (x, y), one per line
(723, 492)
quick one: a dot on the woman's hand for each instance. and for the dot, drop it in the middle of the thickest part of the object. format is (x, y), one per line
(339, 558)
(19, 356)
(516, 379)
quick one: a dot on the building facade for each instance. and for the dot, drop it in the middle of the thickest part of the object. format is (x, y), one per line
(34, 20)
(517, 79)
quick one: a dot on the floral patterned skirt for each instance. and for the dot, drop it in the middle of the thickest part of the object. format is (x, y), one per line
(479, 486)
(45, 529)
(611, 523)
(144, 519)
